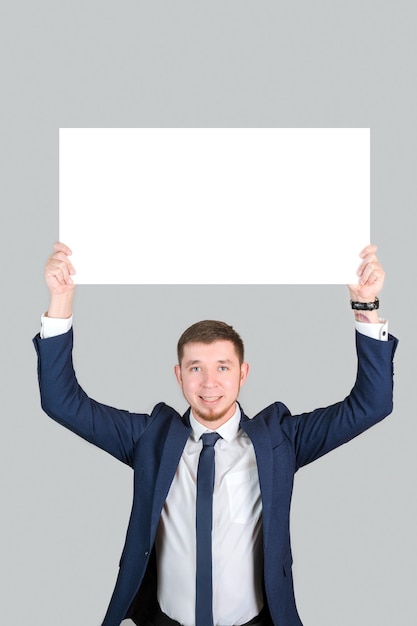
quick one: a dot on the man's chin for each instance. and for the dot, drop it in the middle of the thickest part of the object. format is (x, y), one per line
(214, 414)
(210, 416)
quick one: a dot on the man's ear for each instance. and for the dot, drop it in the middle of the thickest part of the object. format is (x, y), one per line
(177, 372)
(244, 371)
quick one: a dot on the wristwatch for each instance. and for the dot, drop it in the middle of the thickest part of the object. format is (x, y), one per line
(365, 306)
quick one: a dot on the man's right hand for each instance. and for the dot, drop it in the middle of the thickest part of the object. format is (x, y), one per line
(58, 277)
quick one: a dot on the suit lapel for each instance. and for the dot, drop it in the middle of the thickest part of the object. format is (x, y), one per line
(258, 433)
(178, 433)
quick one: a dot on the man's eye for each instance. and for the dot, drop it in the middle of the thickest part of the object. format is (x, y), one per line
(223, 368)
(195, 368)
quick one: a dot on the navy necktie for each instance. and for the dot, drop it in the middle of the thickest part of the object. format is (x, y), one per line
(204, 516)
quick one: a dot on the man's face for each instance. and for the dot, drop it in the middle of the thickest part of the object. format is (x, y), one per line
(210, 377)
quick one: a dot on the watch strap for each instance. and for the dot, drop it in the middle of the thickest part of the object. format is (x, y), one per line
(365, 306)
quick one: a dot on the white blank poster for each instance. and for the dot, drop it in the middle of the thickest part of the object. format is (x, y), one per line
(214, 205)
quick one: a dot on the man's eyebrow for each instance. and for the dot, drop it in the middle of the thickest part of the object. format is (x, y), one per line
(198, 361)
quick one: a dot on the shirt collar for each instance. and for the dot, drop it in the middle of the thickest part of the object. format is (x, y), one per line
(227, 431)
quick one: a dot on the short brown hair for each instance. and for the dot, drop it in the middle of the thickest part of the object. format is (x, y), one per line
(208, 331)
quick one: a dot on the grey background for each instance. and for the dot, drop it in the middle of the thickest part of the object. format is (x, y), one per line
(65, 505)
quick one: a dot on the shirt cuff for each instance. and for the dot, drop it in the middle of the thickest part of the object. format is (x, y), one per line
(376, 331)
(53, 326)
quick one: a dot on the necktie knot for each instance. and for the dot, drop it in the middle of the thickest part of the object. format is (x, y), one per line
(210, 439)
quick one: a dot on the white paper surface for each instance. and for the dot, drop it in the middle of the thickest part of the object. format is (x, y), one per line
(214, 205)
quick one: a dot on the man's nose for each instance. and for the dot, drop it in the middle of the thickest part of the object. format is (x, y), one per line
(209, 379)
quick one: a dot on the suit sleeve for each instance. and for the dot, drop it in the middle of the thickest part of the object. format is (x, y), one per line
(63, 399)
(370, 400)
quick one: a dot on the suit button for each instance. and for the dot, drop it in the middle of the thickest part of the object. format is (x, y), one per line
(146, 553)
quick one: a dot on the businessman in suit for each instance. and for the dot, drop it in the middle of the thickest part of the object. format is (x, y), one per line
(168, 574)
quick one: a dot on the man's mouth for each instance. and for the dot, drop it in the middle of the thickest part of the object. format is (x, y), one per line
(210, 398)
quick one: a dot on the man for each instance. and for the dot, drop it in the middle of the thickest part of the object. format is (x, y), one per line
(169, 573)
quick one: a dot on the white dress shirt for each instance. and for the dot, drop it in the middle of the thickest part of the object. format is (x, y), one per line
(236, 536)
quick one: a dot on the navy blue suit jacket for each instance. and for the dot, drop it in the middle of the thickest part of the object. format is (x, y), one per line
(152, 445)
